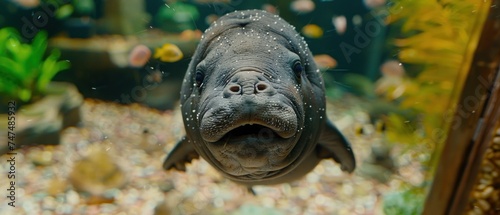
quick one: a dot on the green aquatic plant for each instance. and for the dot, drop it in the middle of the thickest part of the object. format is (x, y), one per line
(177, 17)
(24, 72)
(406, 202)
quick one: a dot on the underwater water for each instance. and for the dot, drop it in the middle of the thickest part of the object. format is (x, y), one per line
(392, 71)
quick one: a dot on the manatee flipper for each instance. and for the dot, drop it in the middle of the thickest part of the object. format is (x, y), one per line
(182, 153)
(332, 144)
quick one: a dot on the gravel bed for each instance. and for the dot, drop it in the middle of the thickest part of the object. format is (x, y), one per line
(485, 196)
(111, 164)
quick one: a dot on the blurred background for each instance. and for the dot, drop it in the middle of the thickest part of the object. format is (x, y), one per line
(96, 85)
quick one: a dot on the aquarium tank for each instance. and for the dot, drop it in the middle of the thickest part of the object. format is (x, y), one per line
(94, 98)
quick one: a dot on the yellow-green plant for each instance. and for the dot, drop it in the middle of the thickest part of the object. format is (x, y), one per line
(440, 36)
(24, 72)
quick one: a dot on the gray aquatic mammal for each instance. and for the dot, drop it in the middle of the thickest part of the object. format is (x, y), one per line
(253, 104)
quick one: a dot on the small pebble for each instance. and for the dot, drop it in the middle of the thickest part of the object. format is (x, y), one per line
(483, 204)
(166, 186)
(72, 197)
(41, 157)
(487, 192)
(496, 140)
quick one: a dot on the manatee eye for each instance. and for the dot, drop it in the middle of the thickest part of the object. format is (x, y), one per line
(297, 68)
(199, 78)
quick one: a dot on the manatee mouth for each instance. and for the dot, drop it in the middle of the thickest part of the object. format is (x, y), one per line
(263, 121)
(253, 131)
(260, 131)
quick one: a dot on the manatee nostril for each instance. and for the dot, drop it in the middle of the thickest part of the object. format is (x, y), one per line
(235, 88)
(261, 87)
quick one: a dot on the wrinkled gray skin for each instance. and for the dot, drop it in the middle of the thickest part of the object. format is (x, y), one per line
(253, 104)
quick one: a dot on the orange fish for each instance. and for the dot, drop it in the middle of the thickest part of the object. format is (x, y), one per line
(139, 56)
(312, 31)
(302, 6)
(325, 61)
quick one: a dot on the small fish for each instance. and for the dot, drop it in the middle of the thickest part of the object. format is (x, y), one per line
(139, 56)
(371, 4)
(168, 53)
(325, 61)
(392, 83)
(27, 3)
(359, 130)
(302, 6)
(392, 68)
(155, 76)
(340, 23)
(312, 31)
(188, 35)
(357, 20)
(270, 8)
(380, 126)
(211, 18)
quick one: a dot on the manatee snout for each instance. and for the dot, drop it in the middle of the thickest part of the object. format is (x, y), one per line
(248, 82)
